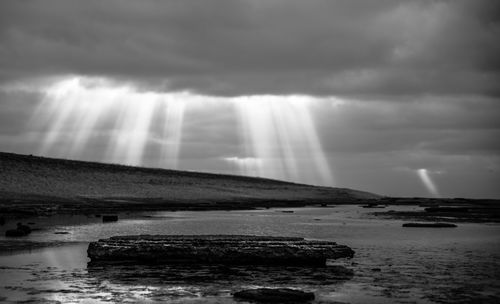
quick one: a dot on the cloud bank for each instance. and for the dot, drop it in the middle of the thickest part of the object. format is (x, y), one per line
(397, 86)
(246, 47)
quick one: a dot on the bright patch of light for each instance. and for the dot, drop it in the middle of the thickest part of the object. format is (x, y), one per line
(172, 132)
(246, 165)
(279, 132)
(75, 110)
(428, 182)
(134, 120)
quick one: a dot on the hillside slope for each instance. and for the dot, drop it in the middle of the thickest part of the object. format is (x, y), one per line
(35, 179)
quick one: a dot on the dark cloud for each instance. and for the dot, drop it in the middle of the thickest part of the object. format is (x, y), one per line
(444, 126)
(237, 47)
(418, 80)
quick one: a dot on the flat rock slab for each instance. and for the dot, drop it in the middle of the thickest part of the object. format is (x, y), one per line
(275, 295)
(429, 225)
(216, 249)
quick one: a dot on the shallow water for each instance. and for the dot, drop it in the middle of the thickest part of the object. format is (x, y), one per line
(391, 265)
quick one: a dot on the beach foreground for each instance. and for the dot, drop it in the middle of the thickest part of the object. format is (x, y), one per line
(392, 264)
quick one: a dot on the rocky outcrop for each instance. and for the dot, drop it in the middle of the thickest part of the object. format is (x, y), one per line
(216, 249)
(275, 295)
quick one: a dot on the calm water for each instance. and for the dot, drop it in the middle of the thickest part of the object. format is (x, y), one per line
(391, 265)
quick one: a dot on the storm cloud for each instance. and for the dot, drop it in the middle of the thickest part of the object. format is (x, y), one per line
(391, 86)
(244, 47)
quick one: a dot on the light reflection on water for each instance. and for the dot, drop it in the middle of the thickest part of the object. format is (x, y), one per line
(391, 264)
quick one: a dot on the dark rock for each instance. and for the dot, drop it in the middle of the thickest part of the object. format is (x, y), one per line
(372, 205)
(25, 228)
(447, 209)
(21, 230)
(61, 232)
(275, 295)
(15, 233)
(216, 249)
(2, 221)
(376, 269)
(287, 211)
(429, 225)
(109, 218)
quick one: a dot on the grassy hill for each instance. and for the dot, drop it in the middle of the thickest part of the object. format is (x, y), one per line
(39, 183)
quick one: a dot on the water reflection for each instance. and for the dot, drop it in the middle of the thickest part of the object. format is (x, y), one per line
(221, 275)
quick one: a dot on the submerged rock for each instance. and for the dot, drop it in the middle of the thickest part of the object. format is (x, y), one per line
(61, 232)
(25, 228)
(15, 233)
(447, 209)
(275, 295)
(21, 230)
(429, 225)
(216, 249)
(373, 205)
(109, 218)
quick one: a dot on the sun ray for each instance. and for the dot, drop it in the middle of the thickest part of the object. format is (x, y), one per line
(428, 182)
(172, 132)
(277, 133)
(60, 111)
(133, 128)
(280, 134)
(94, 103)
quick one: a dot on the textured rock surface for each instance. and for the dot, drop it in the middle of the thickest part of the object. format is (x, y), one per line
(429, 225)
(216, 249)
(275, 295)
(109, 218)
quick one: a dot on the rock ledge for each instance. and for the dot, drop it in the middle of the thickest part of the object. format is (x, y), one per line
(216, 249)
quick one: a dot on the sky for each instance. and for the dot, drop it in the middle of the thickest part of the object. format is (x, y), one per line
(393, 97)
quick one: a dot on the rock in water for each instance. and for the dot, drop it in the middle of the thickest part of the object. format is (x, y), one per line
(447, 209)
(14, 233)
(216, 249)
(275, 295)
(109, 218)
(24, 228)
(429, 225)
(21, 230)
